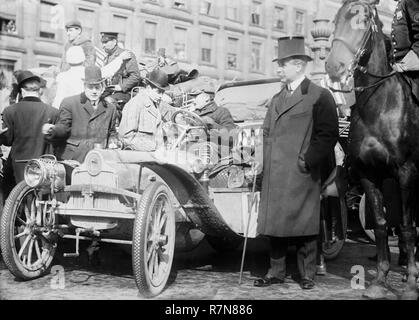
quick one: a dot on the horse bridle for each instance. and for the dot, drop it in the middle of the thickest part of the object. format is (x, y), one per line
(362, 52)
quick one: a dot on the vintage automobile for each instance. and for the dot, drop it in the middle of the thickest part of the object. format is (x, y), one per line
(153, 201)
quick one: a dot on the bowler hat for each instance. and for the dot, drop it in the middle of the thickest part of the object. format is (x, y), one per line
(25, 76)
(73, 24)
(158, 79)
(108, 36)
(93, 75)
(291, 47)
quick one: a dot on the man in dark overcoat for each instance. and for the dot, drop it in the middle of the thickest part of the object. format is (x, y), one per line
(24, 121)
(84, 120)
(405, 41)
(216, 117)
(300, 132)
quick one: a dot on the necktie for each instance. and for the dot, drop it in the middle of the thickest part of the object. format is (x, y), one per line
(288, 92)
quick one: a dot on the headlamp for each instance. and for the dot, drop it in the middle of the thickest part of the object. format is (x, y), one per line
(45, 172)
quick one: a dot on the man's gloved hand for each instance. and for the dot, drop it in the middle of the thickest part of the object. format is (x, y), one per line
(47, 128)
(3, 130)
(409, 63)
(115, 143)
(208, 120)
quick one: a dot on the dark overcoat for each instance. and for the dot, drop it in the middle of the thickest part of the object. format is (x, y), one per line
(299, 133)
(221, 116)
(80, 127)
(24, 121)
(128, 76)
(405, 28)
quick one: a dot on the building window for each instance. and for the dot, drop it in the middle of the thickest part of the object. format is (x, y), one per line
(207, 8)
(180, 39)
(150, 34)
(6, 68)
(232, 53)
(206, 47)
(8, 10)
(180, 4)
(299, 22)
(256, 13)
(87, 19)
(45, 30)
(279, 18)
(120, 26)
(46, 65)
(232, 10)
(256, 57)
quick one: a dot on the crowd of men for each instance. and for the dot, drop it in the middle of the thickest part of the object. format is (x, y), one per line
(300, 129)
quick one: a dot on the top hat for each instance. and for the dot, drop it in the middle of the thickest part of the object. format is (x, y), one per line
(291, 47)
(108, 36)
(93, 75)
(25, 76)
(73, 24)
(158, 79)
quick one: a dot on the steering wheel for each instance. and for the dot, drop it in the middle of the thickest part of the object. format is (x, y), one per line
(191, 119)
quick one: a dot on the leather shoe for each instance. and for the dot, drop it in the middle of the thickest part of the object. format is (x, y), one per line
(267, 281)
(307, 284)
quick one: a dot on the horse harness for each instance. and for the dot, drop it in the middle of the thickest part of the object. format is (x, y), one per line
(363, 54)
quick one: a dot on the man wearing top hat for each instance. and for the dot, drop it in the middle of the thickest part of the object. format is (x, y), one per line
(300, 131)
(76, 38)
(85, 120)
(142, 118)
(22, 123)
(128, 76)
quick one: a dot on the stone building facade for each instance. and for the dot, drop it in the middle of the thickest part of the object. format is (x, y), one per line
(225, 39)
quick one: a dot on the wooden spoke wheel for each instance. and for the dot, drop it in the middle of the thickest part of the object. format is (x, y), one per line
(336, 224)
(153, 240)
(25, 238)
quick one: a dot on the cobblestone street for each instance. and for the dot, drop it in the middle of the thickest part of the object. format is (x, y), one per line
(203, 274)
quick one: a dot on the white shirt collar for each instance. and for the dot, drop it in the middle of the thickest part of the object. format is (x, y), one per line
(296, 83)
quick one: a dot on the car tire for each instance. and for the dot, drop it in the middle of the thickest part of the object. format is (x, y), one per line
(153, 243)
(19, 241)
(338, 211)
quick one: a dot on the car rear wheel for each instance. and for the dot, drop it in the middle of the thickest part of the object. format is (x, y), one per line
(337, 225)
(27, 250)
(153, 240)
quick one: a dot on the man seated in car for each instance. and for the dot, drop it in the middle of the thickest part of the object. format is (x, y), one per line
(214, 116)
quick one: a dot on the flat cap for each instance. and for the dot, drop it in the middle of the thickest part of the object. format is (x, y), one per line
(73, 24)
(108, 36)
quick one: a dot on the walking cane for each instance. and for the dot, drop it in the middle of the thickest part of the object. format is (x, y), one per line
(248, 221)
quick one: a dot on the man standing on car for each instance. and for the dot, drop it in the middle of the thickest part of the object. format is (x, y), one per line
(85, 120)
(76, 38)
(300, 131)
(23, 122)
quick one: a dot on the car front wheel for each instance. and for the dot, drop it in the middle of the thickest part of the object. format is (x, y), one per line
(153, 240)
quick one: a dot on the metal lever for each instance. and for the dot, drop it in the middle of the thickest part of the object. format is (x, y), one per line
(77, 254)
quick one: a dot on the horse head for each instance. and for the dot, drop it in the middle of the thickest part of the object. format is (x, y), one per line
(355, 24)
